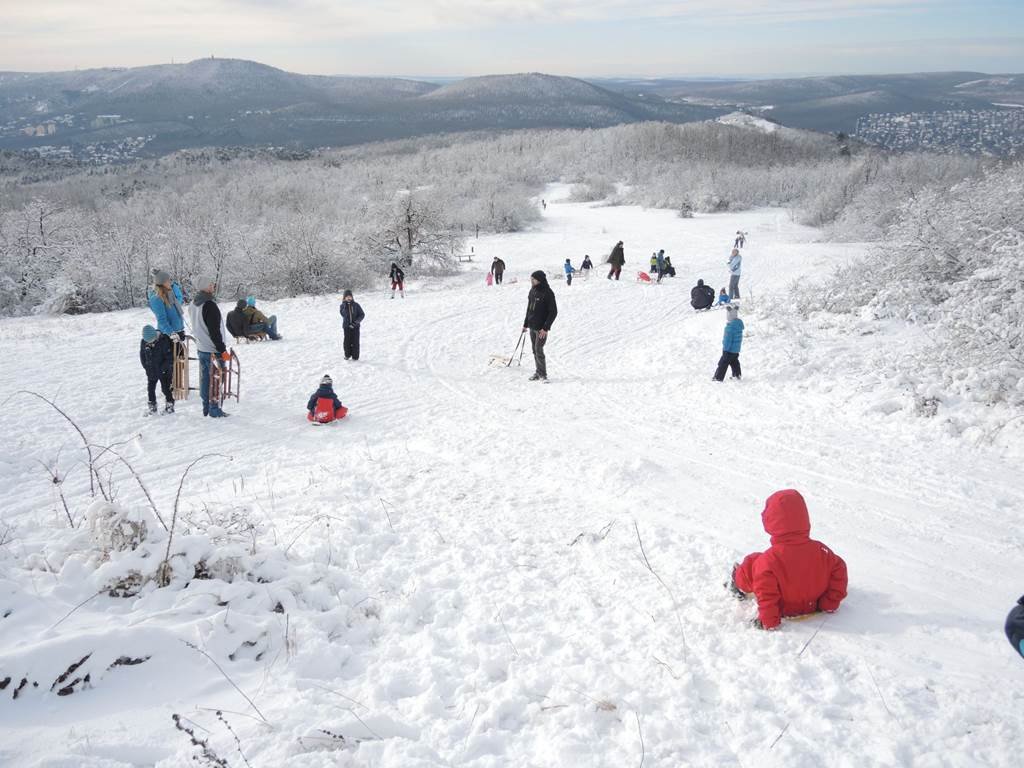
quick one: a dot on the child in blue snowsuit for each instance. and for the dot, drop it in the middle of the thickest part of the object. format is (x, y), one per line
(731, 341)
(723, 297)
(569, 269)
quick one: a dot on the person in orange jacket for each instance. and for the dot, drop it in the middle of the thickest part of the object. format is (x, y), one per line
(796, 575)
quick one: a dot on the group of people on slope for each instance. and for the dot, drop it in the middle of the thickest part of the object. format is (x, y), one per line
(247, 322)
(661, 265)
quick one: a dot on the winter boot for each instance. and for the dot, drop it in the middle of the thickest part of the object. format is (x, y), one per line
(152, 408)
(169, 407)
(736, 592)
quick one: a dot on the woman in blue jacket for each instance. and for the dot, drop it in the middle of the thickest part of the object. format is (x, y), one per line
(731, 342)
(166, 299)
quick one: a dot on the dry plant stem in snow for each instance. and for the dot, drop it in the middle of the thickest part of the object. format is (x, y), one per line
(165, 567)
(672, 597)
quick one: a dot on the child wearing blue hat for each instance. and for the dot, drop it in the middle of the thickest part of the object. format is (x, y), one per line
(157, 359)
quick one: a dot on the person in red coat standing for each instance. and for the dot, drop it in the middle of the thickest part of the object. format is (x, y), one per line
(796, 575)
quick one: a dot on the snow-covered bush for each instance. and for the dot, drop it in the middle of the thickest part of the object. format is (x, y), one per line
(954, 265)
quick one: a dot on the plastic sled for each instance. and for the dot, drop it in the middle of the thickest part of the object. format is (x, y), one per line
(643, 277)
(321, 417)
(490, 279)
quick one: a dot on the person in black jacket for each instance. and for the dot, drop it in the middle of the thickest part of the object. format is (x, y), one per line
(351, 317)
(1015, 627)
(397, 280)
(541, 312)
(157, 358)
(237, 322)
(702, 296)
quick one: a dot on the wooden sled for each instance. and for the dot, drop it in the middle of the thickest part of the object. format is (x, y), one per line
(225, 382)
(180, 386)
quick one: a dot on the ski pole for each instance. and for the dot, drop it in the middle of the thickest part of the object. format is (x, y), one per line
(521, 336)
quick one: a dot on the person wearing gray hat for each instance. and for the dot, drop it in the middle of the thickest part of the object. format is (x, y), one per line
(166, 300)
(207, 327)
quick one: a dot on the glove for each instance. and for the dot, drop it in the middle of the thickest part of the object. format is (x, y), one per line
(756, 624)
(225, 356)
(177, 338)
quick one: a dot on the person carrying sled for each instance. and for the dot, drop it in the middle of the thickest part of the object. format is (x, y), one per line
(397, 280)
(732, 339)
(616, 259)
(207, 327)
(541, 311)
(157, 359)
(258, 322)
(735, 263)
(569, 270)
(723, 297)
(324, 406)
(702, 296)
(498, 270)
(352, 316)
(165, 300)
(796, 575)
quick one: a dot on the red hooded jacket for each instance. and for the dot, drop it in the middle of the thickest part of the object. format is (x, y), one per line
(797, 574)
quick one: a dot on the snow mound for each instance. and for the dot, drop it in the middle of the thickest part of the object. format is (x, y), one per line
(743, 120)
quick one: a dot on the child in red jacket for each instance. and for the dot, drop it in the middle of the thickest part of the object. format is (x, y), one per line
(796, 575)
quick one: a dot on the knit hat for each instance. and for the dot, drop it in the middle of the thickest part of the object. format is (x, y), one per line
(240, 304)
(149, 334)
(347, 292)
(540, 276)
(700, 283)
(326, 381)
(160, 277)
(732, 312)
(206, 279)
(1015, 627)
(250, 300)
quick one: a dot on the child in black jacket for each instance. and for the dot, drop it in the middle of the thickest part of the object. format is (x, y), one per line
(324, 406)
(157, 358)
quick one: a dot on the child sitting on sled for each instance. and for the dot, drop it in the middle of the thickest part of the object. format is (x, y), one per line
(796, 575)
(324, 406)
(723, 298)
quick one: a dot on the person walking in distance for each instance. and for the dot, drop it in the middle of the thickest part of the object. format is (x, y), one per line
(498, 270)
(208, 329)
(616, 260)
(735, 263)
(586, 266)
(569, 270)
(732, 339)
(351, 318)
(541, 311)
(397, 280)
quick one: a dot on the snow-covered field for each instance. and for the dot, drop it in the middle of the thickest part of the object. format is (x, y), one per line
(453, 576)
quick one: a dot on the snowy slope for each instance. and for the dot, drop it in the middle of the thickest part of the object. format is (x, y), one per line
(453, 576)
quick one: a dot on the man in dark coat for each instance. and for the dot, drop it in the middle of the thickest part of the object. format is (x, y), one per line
(351, 317)
(616, 259)
(702, 296)
(541, 311)
(397, 280)
(237, 322)
(498, 270)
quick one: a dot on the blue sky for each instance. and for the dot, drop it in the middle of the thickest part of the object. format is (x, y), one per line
(569, 37)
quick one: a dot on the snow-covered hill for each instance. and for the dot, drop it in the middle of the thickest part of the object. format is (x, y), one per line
(477, 570)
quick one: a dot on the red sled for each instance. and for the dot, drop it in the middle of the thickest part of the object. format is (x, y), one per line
(643, 277)
(325, 412)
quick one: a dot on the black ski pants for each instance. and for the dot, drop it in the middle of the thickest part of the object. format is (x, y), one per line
(728, 360)
(351, 344)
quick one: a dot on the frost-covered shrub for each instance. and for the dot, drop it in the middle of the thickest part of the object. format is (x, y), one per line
(954, 266)
(115, 528)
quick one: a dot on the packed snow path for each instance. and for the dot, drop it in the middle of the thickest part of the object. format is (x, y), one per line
(462, 581)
